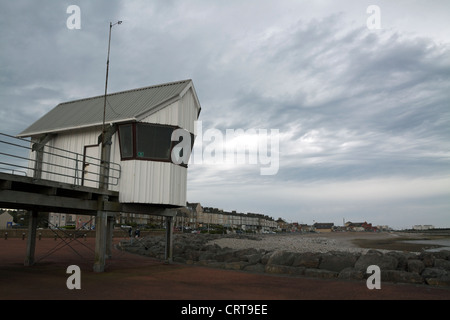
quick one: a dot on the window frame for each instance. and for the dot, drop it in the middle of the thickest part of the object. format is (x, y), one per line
(136, 138)
(134, 141)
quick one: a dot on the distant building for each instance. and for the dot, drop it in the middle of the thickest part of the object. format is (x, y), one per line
(204, 217)
(6, 220)
(305, 228)
(359, 226)
(58, 220)
(384, 228)
(423, 227)
(195, 211)
(323, 227)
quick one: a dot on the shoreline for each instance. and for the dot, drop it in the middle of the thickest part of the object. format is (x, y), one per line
(332, 241)
(315, 255)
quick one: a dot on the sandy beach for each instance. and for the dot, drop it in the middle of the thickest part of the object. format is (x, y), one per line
(333, 241)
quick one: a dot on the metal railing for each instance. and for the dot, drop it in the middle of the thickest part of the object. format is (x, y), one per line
(17, 156)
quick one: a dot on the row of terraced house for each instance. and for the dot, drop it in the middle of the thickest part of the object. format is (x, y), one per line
(194, 216)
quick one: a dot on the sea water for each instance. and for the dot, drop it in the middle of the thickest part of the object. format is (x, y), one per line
(445, 243)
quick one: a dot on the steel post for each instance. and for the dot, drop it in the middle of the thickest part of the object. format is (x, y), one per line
(100, 241)
(31, 240)
(169, 240)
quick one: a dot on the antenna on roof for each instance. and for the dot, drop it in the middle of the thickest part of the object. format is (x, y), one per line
(102, 184)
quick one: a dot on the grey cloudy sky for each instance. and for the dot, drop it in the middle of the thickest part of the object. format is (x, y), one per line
(363, 114)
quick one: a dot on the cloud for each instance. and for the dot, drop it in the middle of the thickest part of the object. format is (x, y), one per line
(329, 111)
(358, 111)
(354, 110)
(403, 202)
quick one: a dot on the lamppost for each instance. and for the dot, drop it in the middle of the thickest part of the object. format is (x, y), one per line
(104, 156)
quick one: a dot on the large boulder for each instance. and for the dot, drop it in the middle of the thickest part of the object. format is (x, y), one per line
(265, 258)
(443, 254)
(401, 276)
(436, 276)
(337, 261)
(280, 269)
(206, 255)
(427, 258)
(258, 267)
(241, 253)
(441, 281)
(351, 274)
(253, 258)
(307, 260)
(433, 273)
(282, 258)
(415, 266)
(402, 258)
(442, 264)
(373, 257)
(226, 255)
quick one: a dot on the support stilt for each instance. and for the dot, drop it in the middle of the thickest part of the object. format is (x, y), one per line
(100, 241)
(169, 240)
(109, 236)
(31, 240)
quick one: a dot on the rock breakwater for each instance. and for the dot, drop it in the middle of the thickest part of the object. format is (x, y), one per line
(303, 256)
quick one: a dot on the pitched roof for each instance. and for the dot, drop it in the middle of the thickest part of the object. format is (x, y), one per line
(121, 106)
(323, 225)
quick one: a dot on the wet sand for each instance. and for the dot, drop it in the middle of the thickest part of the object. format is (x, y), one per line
(386, 240)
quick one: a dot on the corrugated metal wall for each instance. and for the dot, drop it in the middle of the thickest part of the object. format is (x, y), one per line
(64, 166)
(182, 113)
(153, 182)
(159, 182)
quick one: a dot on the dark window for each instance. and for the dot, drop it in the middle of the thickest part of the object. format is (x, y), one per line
(147, 141)
(126, 140)
(153, 141)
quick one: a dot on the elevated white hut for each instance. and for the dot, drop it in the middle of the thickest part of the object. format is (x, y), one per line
(139, 125)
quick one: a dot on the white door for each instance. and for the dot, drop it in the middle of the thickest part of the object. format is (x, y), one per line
(91, 166)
